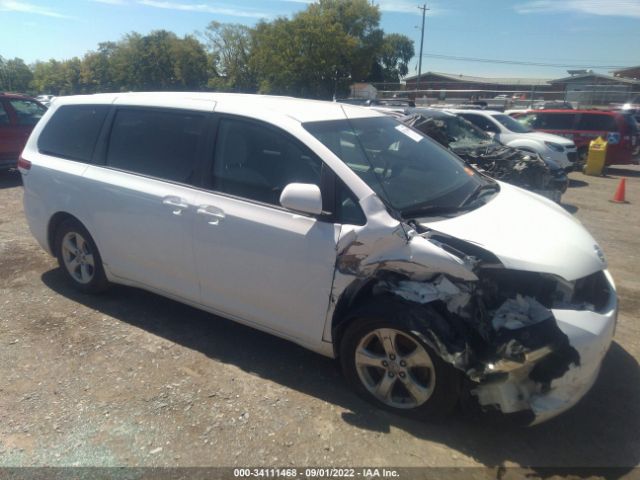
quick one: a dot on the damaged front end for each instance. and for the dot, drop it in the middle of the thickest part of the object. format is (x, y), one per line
(526, 341)
(523, 169)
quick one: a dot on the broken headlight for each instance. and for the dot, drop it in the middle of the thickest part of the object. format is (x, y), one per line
(592, 292)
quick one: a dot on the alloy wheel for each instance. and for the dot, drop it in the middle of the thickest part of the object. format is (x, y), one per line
(395, 368)
(78, 258)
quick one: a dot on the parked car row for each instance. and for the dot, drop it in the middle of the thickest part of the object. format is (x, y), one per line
(508, 131)
(498, 145)
(482, 151)
(620, 129)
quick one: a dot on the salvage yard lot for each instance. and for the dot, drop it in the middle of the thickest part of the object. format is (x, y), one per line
(131, 378)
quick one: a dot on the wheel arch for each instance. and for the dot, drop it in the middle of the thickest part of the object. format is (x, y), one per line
(354, 296)
(54, 223)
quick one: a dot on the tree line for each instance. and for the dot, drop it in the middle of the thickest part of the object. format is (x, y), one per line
(317, 53)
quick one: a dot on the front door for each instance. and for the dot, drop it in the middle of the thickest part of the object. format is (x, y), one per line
(257, 261)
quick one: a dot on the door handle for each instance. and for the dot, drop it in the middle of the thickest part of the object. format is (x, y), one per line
(215, 214)
(177, 203)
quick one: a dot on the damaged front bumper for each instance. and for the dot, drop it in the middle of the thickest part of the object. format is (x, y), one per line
(589, 332)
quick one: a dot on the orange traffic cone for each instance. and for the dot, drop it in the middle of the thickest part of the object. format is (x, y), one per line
(619, 196)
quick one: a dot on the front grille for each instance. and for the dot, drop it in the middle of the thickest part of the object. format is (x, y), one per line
(593, 289)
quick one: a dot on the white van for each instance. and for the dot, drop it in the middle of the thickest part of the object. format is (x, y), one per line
(335, 227)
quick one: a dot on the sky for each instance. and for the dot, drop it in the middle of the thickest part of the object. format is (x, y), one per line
(602, 34)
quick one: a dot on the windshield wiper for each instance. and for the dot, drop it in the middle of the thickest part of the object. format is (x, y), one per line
(430, 210)
(487, 187)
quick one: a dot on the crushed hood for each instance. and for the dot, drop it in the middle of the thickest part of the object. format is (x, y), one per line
(527, 232)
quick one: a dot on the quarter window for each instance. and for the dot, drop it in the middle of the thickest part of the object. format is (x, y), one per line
(72, 131)
(256, 162)
(348, 209)
(156, 143)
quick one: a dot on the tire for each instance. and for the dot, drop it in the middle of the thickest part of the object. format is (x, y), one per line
(430, 389)
(583, 153)
(79, 258)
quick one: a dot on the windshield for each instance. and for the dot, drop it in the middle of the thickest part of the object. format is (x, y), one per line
(449, 130)
(406, 169)
(511, 124)
(464, 134)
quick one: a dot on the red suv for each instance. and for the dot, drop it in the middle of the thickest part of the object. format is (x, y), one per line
(618, 128)
(18, 116)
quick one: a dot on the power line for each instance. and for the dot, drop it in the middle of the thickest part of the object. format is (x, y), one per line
(517, 62)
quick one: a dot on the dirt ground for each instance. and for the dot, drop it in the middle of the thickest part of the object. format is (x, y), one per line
(131, 378)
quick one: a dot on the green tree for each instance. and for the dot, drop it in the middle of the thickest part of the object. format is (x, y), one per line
(230, 48)
(190, 63)
(15, 75)
(57, 78)
(48, 77)
(360, 22)
(396, 52)
(308, 56)
(96, 71)
(325, 48)
(317, 53)
(158, 61)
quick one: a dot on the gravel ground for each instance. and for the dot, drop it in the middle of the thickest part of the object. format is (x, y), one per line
(129, 378)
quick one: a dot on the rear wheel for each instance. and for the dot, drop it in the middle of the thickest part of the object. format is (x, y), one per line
(387, 363)
(79, 258)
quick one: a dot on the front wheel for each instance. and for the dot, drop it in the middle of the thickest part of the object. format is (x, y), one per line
(387, 363)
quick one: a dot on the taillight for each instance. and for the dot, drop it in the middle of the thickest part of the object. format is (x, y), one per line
(24, 164)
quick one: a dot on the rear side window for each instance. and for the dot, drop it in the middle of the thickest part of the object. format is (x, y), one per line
(555, 121)
(591, 121)
(72, 131)
(156, 143)
(28, 112)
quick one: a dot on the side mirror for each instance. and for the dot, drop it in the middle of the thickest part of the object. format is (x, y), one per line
(491, 134)
(302, 197)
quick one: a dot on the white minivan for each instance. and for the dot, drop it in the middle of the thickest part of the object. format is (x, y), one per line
(333, 226)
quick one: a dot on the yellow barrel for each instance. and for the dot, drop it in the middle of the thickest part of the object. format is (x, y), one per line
(597, 157)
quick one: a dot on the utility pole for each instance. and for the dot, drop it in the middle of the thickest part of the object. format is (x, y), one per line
(424, 12)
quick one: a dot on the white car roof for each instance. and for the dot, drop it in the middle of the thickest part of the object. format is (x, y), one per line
(298, 109)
